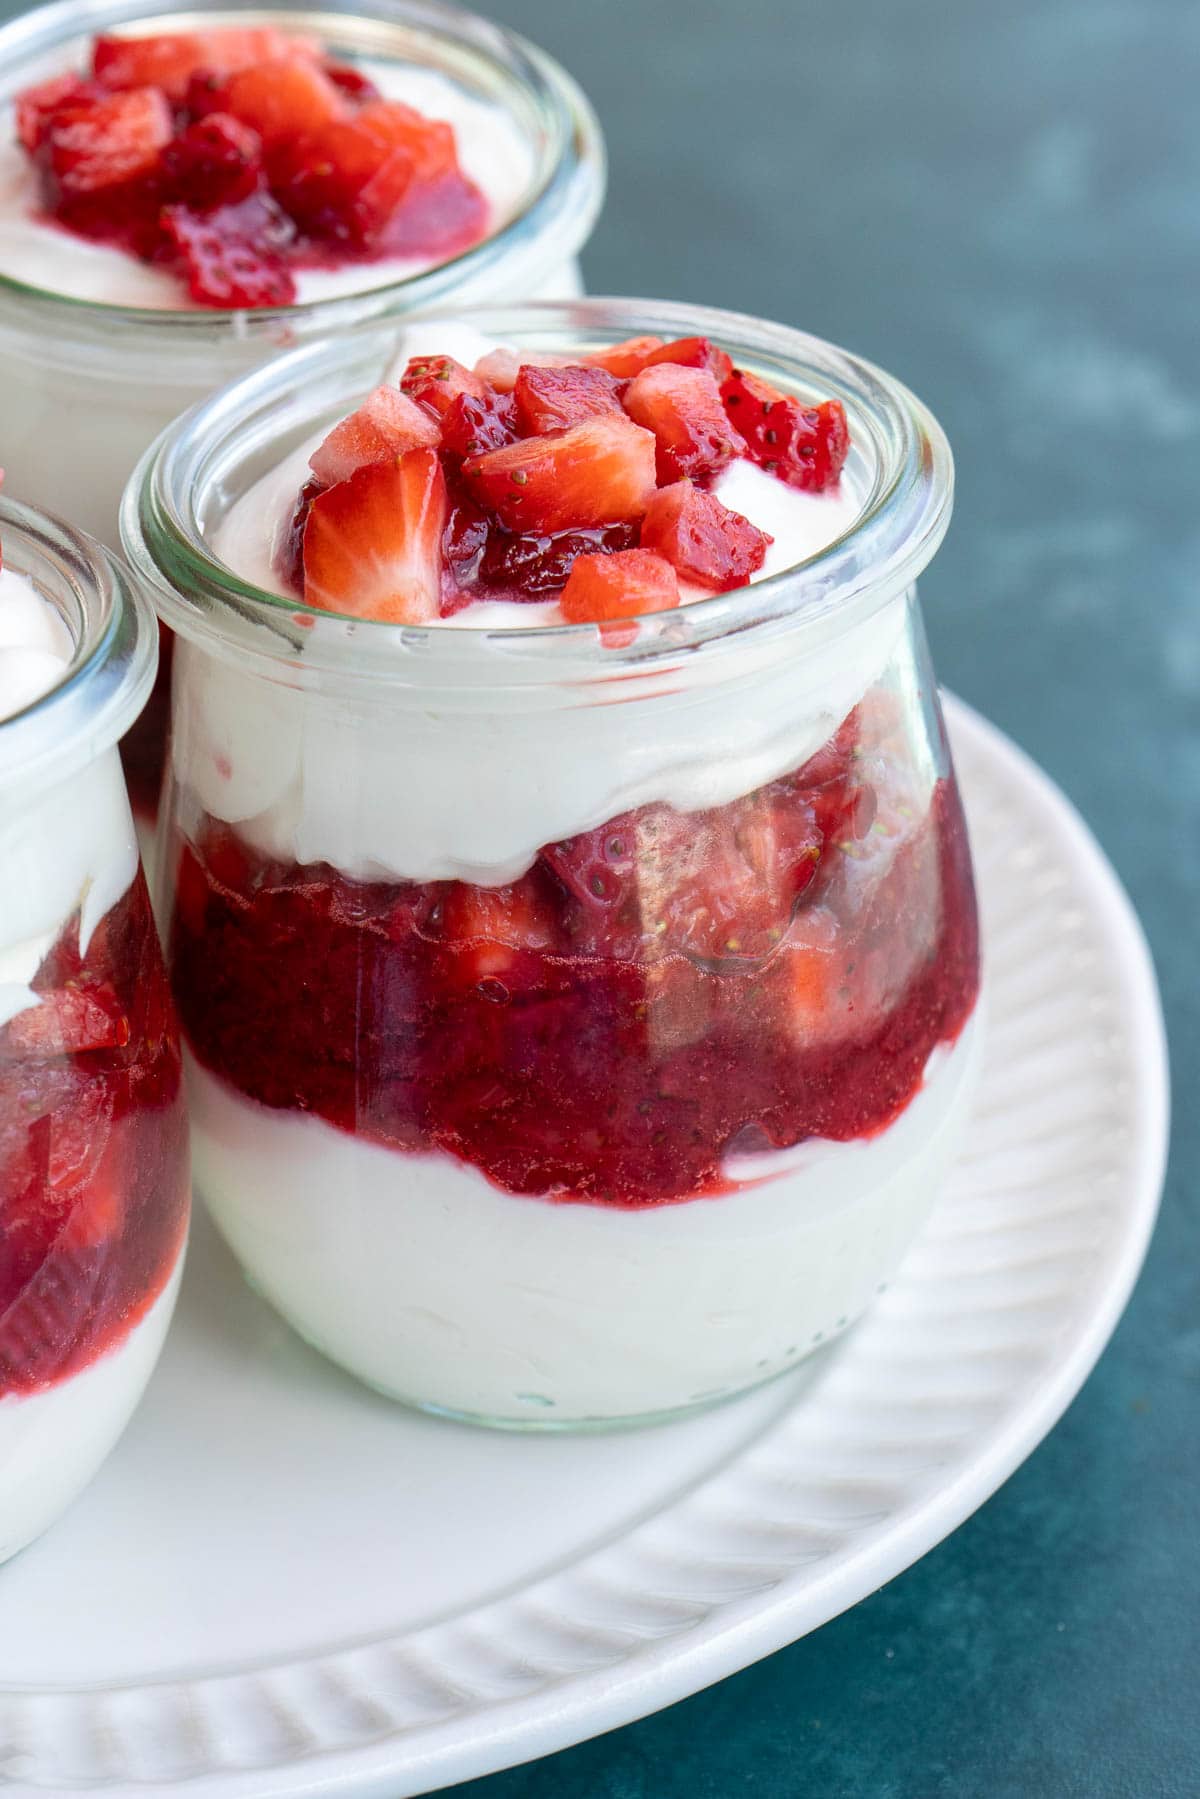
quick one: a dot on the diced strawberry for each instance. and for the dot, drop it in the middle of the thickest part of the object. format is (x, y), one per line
(623, 585)
(597, 473)
(216, 161)
(531, 567)
(627, 358)
(683, 409)
(706, 542)
(501, 366)
(429, 143)
(694, 353)
(373, 543)
(463, 543)
(70, 1021)
(233, 257)
(169, 61)
(282, 100)
(352, 82)
(489, 928)
(435, 382)
(551, 399)
(471, 426)
(100, 144)
(36, 107)
(289, 551)
(805, 446)
(386, 425)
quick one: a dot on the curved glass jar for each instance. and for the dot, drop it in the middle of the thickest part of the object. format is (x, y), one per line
(93, 1135)
(88, 385)
(576, 1034)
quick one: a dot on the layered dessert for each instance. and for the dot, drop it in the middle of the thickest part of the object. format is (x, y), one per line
(560, 1055)
(93, 1149)
(246, 167)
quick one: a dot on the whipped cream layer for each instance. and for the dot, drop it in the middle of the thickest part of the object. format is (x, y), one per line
(63, 849)
(52, 1443)
(400, 785)
(491, 150)
(428, 1282)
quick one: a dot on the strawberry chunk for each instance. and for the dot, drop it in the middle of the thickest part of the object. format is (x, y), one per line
(691, 427)
(386, 425)
(598, 473)
(625, 359)
(385, 180)
(694, 353)
(352, 82)
(473, 426)
(373, 543)
(37, 106)
(216, 161)
(168, 61)
(105, 143)
(232, 257)
(705, 542)
(70, 1021)
(531, 567)
(551, 399)
(622, 585)
(282, 100)
(435, 382)
(805, 446)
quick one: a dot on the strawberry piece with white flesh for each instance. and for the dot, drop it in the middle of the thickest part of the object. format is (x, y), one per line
(386, 425)
(553, 399)
(373, 543)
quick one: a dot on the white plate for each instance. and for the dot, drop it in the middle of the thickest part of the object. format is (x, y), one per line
(282, 1585)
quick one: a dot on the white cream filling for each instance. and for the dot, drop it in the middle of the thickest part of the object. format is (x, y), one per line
(492, 151)
(427, 1281)
(64, 849)
(52, 1442)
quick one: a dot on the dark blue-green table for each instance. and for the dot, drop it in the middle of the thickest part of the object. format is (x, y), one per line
(1001, 204)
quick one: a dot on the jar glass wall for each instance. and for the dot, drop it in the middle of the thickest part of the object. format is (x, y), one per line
(93, 1137)
(89, 383)
(577, 1032)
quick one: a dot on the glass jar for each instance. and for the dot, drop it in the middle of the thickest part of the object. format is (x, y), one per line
(577, 1031)
(93, 1136)
(88, 384)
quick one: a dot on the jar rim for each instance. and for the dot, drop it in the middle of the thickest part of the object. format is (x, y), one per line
(905, 465)
(114, 656)
(566, 186)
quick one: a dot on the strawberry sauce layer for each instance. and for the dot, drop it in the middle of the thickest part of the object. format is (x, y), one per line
(236, 158)
(648, 998)
(93, 1150)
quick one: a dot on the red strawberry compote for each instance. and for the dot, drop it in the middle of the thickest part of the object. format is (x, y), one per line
(571, 913)
(93, 1144)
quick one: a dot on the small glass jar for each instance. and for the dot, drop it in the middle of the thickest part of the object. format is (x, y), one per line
(94, 1187)
(577, 1031)
(87, 385)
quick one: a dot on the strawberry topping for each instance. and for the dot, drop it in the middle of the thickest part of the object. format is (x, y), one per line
(373, 543)
(682, 406)
(386, 425)
(597, 473)
(803, 445)
(622, 585)
(705, 542)
(447, 490)
(170, 134)
(551, 399)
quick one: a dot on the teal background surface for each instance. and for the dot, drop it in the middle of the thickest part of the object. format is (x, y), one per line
(1001, 205)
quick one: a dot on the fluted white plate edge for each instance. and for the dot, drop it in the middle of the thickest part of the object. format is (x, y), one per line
(517, 1596)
